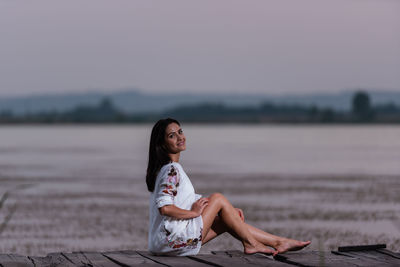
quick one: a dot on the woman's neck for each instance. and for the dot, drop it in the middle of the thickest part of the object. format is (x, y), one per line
(174, 157)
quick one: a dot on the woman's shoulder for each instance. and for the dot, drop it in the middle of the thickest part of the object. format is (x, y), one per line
(170, 167)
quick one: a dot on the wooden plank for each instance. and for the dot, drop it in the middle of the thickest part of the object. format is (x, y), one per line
(15, 260)
(40, 261)
(360, 260)
(357, 257)
(254, 259)
(376, 256)
(390, 253)
(96, 259)
(55, 259)
(320, 258)
(130, 258)
(361, 248)
(224, 258)
(76, 258)
(172, 261)
(215, 260)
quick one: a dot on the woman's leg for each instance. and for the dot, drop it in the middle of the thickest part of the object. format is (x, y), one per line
(219, 205)
(279, 243)
(218, 227)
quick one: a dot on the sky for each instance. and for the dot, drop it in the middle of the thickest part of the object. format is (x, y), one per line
(256, 46)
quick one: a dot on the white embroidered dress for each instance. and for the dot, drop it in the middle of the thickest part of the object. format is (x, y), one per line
(167, 235)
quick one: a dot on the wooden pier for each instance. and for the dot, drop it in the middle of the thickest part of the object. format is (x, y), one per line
(374, 255)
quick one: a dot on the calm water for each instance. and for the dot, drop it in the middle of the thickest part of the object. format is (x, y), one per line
(65, 151)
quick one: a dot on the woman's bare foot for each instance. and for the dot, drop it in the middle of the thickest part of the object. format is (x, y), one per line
(258, 248)
(286, 244)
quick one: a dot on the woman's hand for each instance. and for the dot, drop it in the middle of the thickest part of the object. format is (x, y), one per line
(241, 214)
(199, 205)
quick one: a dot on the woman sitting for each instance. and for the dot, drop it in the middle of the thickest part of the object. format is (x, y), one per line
(181, 221)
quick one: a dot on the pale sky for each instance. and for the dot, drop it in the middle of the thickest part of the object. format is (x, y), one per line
(248, 46)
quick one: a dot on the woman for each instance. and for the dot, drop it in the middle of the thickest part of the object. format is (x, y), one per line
(182, 221)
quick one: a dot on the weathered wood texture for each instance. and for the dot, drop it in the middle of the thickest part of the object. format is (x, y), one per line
(15, 260)
(375, 255)
(238, 258)
(172, 261)
(129, 258)
(322, 258)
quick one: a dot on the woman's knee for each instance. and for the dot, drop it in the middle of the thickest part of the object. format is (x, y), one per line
(217, 197)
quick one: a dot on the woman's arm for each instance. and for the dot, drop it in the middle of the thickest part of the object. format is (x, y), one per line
(178, 213)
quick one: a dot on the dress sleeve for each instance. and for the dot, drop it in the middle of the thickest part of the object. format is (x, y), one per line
(168, 187)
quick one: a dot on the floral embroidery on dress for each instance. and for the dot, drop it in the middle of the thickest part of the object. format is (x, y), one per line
(171, 183)
(179, 242)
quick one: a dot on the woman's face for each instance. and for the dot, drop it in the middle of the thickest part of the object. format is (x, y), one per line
(175, 140)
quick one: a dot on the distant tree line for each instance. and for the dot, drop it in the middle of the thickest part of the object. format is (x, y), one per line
(362, 111)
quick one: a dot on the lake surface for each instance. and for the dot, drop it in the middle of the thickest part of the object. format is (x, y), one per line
(65, 151)
(81, 188)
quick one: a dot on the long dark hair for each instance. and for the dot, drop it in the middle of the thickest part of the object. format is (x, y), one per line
(158, 154)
